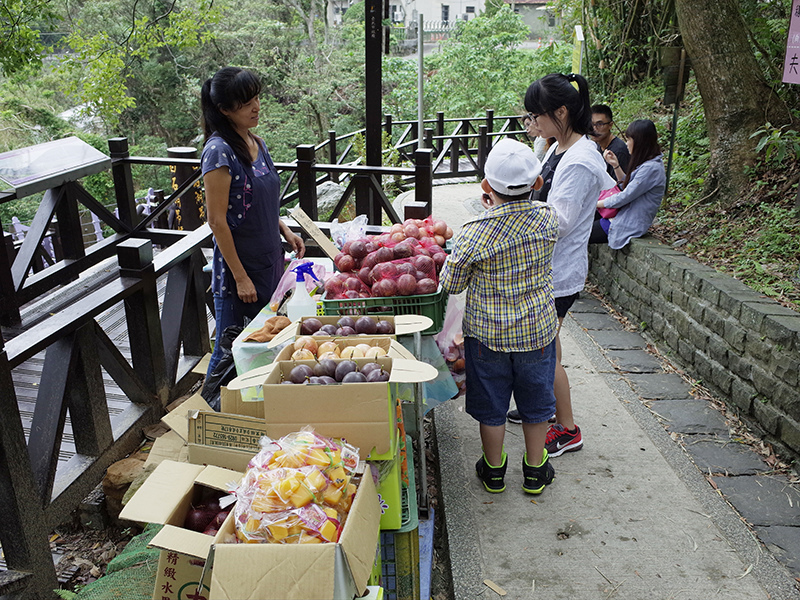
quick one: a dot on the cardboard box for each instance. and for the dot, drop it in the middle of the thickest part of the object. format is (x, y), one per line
(334, 571)
(166, 497)
(362, 413)
(223, 439)
(403, 325)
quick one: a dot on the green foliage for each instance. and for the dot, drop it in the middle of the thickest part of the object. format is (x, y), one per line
(761, 249)
(481, 67)
(622, 38)
(400, 88)
(109, 39)
(767, 24)
(20, 24)
(492, 7)
(777, 143)
(24, 210)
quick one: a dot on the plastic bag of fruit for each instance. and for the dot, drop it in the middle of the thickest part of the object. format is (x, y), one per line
(383, 273)
(341, 233)
(451, 340)
(297, 489)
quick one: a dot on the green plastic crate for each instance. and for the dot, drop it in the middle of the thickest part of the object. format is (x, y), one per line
(428, 305)
(400, 566)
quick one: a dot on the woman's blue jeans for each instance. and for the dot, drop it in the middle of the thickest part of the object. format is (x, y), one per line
(223, 314)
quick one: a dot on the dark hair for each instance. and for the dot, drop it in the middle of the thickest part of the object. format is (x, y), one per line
(645, 144)
(228, 89)
(551, 92)
(603, 109)
(525, 195)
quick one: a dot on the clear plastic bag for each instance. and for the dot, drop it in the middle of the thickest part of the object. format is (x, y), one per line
(298, 489)
(451, 339)
(341, 233)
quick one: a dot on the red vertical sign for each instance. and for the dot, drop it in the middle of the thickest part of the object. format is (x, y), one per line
(791, 65)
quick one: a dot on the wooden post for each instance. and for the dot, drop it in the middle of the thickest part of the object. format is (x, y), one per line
(135, 258)
(332, 155)
(439, 131)
(69, 223)
(189, 208)
(23, 529)
(455, 147)
(123, 181)
(307, 180)
(428, 137)
(9, 311)
(483, 148)
(373, 50)
(423, 178)
(387, 125)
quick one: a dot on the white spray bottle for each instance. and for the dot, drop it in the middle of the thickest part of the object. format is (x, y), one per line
(301, 304)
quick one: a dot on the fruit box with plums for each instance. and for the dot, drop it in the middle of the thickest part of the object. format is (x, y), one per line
(400, 325)
(181, 496)
(431, 306)
(364, 413)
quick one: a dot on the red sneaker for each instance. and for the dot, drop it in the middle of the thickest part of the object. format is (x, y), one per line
(559, 440)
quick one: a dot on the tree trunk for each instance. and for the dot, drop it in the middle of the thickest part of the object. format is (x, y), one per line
(736, 98)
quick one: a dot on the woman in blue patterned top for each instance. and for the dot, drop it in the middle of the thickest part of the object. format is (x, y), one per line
(242, 191)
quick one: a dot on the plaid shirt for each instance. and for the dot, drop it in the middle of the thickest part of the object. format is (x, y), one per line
(503, 259)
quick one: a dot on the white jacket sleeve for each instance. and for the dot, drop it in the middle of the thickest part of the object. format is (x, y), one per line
(568, 195)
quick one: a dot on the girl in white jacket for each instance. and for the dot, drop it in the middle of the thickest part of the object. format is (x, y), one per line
(574, 174)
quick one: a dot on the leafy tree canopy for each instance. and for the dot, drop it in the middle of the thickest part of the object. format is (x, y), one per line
(481, 66)
(21, 22)
(110, 39)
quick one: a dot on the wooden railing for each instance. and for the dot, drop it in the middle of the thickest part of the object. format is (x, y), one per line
(36, 492)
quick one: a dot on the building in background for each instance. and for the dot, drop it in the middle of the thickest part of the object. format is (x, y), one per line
(440, 15)
(543, 22)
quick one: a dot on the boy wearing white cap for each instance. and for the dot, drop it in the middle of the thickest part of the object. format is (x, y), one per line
(503, 259)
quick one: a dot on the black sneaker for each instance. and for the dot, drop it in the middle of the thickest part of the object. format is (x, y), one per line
(536, 478)
(513, 417)
(492, 477)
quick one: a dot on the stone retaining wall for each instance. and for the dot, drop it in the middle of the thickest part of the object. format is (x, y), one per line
(738, 343)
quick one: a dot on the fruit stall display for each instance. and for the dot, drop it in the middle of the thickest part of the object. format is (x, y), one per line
(404, 261)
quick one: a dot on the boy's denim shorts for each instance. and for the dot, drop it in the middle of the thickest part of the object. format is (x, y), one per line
(493, 376)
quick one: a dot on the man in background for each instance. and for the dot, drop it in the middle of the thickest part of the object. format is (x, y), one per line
(602, 122)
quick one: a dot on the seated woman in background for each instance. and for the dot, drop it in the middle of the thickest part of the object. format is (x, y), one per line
(642, 189)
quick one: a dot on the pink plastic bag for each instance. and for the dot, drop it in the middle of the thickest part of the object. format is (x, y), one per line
(289, 278)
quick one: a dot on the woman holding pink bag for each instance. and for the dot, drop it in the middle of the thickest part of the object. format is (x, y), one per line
(642, 189)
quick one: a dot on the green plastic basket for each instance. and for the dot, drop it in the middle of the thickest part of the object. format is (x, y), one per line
(400, 564)
(428, 305)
